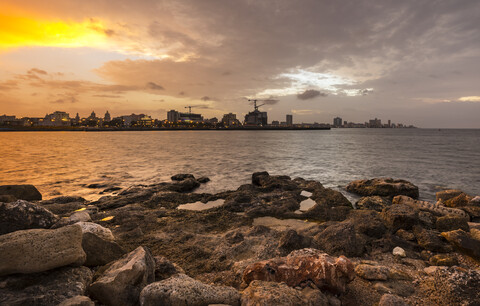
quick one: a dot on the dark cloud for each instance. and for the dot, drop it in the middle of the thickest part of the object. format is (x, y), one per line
(205, 98)
(310, 94)
(108, 96)
(269, 101)
(66, 99)
(365, 91)
(37, 71)
(153, 86)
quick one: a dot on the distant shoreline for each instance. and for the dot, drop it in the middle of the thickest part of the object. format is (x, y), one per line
(63, 129)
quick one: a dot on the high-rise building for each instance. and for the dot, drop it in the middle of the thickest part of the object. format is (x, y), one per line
(289, 120)
(230, 119)
(375, 123)
(107, 117)
(337, 121)
(173, 116)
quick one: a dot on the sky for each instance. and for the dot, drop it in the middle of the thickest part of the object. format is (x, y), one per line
(410, 61)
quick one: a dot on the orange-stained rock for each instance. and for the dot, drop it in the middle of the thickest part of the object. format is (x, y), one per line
(301, 266)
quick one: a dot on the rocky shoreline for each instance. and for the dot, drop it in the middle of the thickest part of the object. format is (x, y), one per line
(276, 241)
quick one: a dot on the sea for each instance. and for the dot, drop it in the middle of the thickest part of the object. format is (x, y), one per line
(68, 163)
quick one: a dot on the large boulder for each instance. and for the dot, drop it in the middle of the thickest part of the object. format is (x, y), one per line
(340, 239)
(274, 294)
(304, 265)
(97, 230)
(464, 242)
(399, 216)
(392, 300)
(448, 194)
(45, 288)
(386, 187)
(430, 240)
(376, 203)
(38, 250)
(79, 216)
(79, 300)
(122, 282)
(450, 223)
(7, 198)
(458, 201)
(21, 192)
(100, 252)
(367, 222)
(185, 185)
(331, 205)
(182, 290)
(182, 176)
(20, 215)
(372, 272)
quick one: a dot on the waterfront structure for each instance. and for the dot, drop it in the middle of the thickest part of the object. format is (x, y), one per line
(337, 122)
(56, 118)
(289, 120)
(375, 123)
(5, 118)
(230, 119)
(128, 120)
(256, 118)
(173, 116)
(107, 117)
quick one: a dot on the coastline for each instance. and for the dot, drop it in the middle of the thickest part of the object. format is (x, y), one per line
(63, 129)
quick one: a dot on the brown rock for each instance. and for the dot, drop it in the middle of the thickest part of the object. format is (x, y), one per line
(38, 250)
(340, 239)
(399, 216)
(100, 252)
(392, 300)
(376, 203)
(430, 240)
(386, 187)
(450, 223)
(371, 272)
(443, 260)
(7, 198)
(301, 266)
(458, 201)
(464, 242)
(79, 300)
(21, 192)
(445, 195)
(21, 215)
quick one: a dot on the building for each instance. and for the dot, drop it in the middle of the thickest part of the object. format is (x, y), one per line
(173, 116)
(230, 119)
(4, 119)
(337, 122)
(107, 117)
(93, 116)
(275, 123)
(289, 120)
(132, 119)
(56, 119)
(375, 123)
(256, 118)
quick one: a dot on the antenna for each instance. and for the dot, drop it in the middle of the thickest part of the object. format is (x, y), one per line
(189, 109)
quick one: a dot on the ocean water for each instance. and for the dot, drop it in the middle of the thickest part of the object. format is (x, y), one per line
(65, 163)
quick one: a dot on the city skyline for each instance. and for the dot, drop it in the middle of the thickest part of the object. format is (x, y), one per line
(408, 61)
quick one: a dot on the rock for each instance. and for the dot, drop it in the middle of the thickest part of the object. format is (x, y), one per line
(45, 288)
(429, 240)
(373, 203)
(38, 250)
(405, 235)
(273, 294)
(473, 212)
(367, 222)
(458, 201)
(79, 300)
(399, 216)
(234, 237)
(259, 177)
(304, 265)
(125, 278)
(7, 198)
(21, 215)
(391, 300)
(185, 185)
(97, 230)
(475, 233)
(100, 252)
(464, 242)
(340, 239)
(21, 192)
(97, 185)
(443, 260)
(203, 180)
(475, 200)
(370, 272)
(398, 251)
(164, 268)
(181, 290)
(290, 240)
(386, 187)
(445, 195)
(182, 177)
(64, 200)
(79, 216)
(450, 223)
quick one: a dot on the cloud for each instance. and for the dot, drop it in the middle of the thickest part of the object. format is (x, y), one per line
(305, 111)
(66, 99)
(470, 99)
(153, 86)
(108, 96)
(310, 94)
(36, 71)
(270, 101)
(206, 98)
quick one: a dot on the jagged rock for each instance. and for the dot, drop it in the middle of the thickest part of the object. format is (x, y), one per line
(181, 289)
(443, 260)
(96, 229)
(234, 237)
(37, 250)
(258, 178)
(21, 215)
(367, 222)
(100, 252)
(458, 201)
(429, 240)
(268, 182)
(398, 251)
(371, 272)
(182, 177)
(464, 242)
(475, 200)
(340, 239)
(376, 203)
(203, 180)
(45, 288)
(304, 265)
(391, 300)
(79, 300)
(330, 205)
(79, 216)
(475, 233)
(386, 187)
(185, 185)
(7, 198)
(273, 294)
(473, 212)
(405, 235)
(164, 268)
(399, 216)
(445, 195)
(125, 278)
(21, 192)
(63, 200)
(290, 240)
(451, 223)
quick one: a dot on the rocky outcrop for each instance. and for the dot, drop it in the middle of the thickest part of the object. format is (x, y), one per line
(437, 208)
(376, 203)
(182, 290)
(372, 272)
(7, 198)
(185, 185)
(386, 187)
(430, 240)
(100, 252)
(392, 300)
(46, 288)
(399, 216)
(301, 266)
(340, 239)
(448, 194)
(79, 216)
(451, 223)
(124, 279)
(79, 300)
(273, 294)
(20, 215)
(464, 242)
(182, 177)
(38, 250)
(458, 201)
(21, 192)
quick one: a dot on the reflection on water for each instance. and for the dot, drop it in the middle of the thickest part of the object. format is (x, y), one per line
(283, 224)
(201, 206)
(64, 163)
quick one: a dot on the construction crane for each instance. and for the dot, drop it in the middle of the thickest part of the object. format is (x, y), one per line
(255, 103)
(189, 109)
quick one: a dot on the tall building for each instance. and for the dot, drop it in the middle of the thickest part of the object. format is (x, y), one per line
(173, 116)
(230, 119)
(375, 123)
(289, 120)
(93, 116)
(256, 117)
(337, 121)
(77, 119)
(107, 117)
(57, 119)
